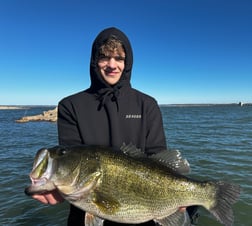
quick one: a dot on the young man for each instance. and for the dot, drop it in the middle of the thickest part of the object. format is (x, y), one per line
(110, 112)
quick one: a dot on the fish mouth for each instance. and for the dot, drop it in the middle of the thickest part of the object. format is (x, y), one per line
(41, 167)
(38, 187)
(40, 174)
(39, 181)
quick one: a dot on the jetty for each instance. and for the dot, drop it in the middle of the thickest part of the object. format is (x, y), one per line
(49, 116)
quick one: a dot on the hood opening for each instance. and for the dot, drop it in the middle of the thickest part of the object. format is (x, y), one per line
(97, 82)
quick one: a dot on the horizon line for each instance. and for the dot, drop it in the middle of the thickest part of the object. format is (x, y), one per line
(4, 106)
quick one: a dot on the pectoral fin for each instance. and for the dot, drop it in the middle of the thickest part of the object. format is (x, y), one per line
(176, 219)
(105, 204)
(91, 220)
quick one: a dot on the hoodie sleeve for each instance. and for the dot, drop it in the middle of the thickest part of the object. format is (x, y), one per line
(155, 137)
(68, 132)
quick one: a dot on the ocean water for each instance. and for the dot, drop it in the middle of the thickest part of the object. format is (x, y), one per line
(216, 140)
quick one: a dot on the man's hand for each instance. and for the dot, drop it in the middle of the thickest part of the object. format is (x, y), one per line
(52, 197)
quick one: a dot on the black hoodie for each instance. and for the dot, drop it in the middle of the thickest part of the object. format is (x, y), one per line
(110, 115)
(106, 115)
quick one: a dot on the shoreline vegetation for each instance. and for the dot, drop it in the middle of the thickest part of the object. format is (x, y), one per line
(51, 115)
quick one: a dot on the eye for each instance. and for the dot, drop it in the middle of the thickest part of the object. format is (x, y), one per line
(62, 151)
(119, 58)
(104, 58)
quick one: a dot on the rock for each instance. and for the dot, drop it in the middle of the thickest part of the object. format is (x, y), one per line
(50, 116)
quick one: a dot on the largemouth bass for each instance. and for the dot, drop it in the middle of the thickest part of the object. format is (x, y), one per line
(128, 187)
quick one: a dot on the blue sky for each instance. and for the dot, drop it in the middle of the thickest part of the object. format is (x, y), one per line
(185, 51)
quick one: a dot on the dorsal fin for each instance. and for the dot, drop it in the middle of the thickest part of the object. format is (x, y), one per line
(132, 151)
(168, 158)
(173, 160)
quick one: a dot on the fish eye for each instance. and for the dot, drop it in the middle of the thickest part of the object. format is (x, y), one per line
(61, 151)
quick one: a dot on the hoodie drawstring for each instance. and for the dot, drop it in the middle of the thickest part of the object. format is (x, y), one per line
(103, 95)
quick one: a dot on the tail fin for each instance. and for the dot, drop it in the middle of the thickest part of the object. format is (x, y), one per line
(227, 195)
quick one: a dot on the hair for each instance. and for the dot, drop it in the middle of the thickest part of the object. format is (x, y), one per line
(111, 45)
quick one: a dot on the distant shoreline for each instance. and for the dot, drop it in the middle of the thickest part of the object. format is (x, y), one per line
(18, 107)
(205, 105)
(12, 107)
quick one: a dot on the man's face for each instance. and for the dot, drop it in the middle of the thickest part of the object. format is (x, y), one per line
(112, 66)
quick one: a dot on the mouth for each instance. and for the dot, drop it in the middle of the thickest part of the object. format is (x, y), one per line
(39, 186)
(42, 166)
(36, 187)
(112, 74)
(38, 181)
(40, 174)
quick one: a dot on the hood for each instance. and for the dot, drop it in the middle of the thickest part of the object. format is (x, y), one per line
(97, 82)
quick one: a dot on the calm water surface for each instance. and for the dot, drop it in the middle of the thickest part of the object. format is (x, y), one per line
(216, 140)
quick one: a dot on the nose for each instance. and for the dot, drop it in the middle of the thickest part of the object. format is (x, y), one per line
(111, 62)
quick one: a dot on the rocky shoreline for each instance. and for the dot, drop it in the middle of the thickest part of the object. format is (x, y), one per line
(49, 116)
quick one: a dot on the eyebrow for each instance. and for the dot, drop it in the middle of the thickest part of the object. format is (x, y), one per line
(117, 58)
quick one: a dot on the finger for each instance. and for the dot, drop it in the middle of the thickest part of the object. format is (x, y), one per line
(182, 209)
(40, 198)
(54, 197)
